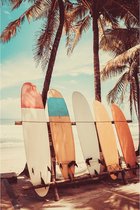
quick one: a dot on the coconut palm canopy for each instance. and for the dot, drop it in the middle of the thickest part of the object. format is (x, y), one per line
(126, 48)
(52, 12)
(39, 9)
(79, 13)
(100, 15)
(117, 64)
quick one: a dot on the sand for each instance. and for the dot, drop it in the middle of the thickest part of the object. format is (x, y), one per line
(101, 194)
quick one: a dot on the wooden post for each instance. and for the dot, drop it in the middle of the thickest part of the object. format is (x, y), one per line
(53, 163)
(11, 194)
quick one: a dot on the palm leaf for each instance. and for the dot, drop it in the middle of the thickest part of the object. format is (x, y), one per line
(116, 95)
(37, 9)
(110, 18)
(78, 13)
(11, 29)
(33, 12)
(118, 64)
(87, 4)
(15, 3)
(81, 26)
(46, 39)
(129, 8)
(122, 39)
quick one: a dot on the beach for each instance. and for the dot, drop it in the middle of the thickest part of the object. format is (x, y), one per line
(12, 153)
(97, 194)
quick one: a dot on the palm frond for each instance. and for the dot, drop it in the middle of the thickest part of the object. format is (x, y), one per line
(110, 18)
(78, 13)
(112, 71)
(33, 12)
(75, 34)
(46, 39)
(11, 29)
(122, 39)
(118, 64)
(12, 2)
(130, 21)
(87, 4)
(16, 3)
(37, 9)
(116, 95)
(131, 8)
(67, 23)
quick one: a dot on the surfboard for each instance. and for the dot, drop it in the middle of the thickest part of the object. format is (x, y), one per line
(86, 132)
(62, 135)
(36, 138)
(107, 138)
(124, 136)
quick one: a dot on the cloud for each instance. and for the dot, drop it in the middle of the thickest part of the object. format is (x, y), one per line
(10, 108)
(18, 70)
(22, 69)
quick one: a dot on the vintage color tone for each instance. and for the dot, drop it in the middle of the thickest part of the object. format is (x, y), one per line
(36, 139)
(86, 132)
(106, 137)
(62, 135)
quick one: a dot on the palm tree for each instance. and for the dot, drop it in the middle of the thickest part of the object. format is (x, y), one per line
(53, 51)
(99, 12)
(81, 13)
(48, 41)
(125, 45)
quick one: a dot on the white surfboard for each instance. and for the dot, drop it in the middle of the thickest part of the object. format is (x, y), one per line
(86, 132)
(36, 138)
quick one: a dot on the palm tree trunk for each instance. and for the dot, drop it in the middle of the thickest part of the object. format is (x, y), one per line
(53, 53)
(97, 80)
(138, 96)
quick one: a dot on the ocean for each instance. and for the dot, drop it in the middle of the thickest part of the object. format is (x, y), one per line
(12, 153)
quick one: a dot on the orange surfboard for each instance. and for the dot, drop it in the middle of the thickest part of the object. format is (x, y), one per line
(107, 138)
(124, 136)
(62, 135)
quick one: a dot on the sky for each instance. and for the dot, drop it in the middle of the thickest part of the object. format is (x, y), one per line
(71, 73)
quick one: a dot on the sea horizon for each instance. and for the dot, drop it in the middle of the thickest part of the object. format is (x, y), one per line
(12, 151)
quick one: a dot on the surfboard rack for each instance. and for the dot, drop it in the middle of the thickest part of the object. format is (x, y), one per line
(53, 165)
(6, 180)
(61, 183)
(72, 123)
(11, 177)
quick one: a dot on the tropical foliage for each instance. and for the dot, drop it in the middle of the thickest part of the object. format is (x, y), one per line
(125, 46)
(100, 15)
(48, 41)
(78, 16)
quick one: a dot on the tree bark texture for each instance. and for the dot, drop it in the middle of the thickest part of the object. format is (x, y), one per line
(53, 53)
(97, 79)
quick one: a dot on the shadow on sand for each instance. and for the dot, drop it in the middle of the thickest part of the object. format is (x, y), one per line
(94, 196)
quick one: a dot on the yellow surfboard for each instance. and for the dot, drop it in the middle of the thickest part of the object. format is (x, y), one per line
(62, 135)
(107, 138)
